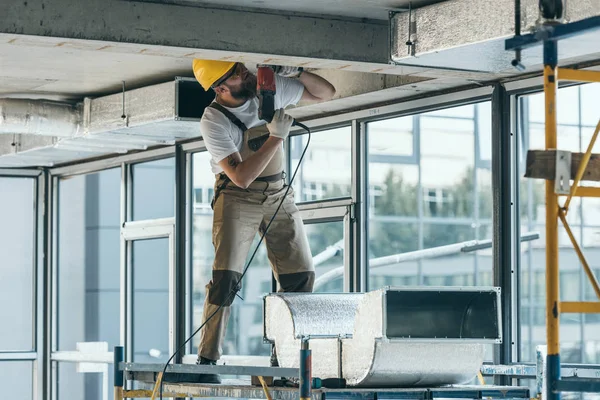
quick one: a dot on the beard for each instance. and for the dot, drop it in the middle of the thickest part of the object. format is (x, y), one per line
(246, 90)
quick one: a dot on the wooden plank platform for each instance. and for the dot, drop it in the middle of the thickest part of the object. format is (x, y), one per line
(541, 164)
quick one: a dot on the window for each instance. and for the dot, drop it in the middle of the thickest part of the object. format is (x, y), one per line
(88, 273)
(438, 193)
(577, 116)
(16, 379)
(17, 246)
(326, 169)
(326, 242)
(17, 280)
(198, 198)
(153, 189)
(151, 300)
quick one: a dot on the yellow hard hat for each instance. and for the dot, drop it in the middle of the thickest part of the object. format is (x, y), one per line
(207, 72)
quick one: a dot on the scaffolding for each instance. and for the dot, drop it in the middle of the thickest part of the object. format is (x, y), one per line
(558, 168)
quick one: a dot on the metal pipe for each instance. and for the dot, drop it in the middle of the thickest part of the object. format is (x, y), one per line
(440, 251)
(305, 371)
(119, 357)
(552, 273)
(328, 253)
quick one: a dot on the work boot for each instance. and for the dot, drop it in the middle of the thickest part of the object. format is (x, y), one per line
(177, 377)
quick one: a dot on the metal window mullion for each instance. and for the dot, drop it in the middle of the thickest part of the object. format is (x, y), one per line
(19, 356)
(20, 173)
(42, 216)
(420, 209)
(348, 254)
(477, 156)
(172, 317)
(127, 261)
(530, 224)
(582, 278)
(516, 231)
(179, 249)
(321, 215)
(189, 239)
(52, 288)
(502, 221)
(112, 162)
(358, 265)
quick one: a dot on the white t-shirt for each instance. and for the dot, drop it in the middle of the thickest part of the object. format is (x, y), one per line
(222, 137)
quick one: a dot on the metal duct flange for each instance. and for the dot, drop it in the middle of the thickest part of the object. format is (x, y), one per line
(39, 117)
(331, 316)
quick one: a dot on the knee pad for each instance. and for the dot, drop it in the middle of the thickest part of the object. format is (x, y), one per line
(297, 282)
(223, 287)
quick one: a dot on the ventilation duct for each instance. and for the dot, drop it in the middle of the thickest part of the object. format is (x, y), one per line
(43, 133)
(396, 337)
(464, 35)
(39, 117)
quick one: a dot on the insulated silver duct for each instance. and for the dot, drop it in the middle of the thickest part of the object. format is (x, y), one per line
(39, 117)
(391, 337)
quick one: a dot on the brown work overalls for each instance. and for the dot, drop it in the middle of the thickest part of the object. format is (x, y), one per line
(238, 215)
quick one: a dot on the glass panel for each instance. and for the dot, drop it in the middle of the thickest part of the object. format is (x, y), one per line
(567, 136)
(154, 189)
(327, 245)
(391, 137)
(484, 129)
(456, 200)
(533, 254)
(17, 246)
(447, 161)
(73, 385)
(589, 104)
(326, 169)
(151, 300)
(586, 137)
(16, 379)
(484, 191)
(568, 106)
(88, 269)
(441, 234)
(393, 189)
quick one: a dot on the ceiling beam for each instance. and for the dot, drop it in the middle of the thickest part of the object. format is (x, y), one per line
(321, 42)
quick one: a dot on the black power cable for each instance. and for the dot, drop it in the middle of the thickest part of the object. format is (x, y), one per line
(237, 285)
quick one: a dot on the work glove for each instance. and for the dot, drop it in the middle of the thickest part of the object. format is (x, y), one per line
(287, 71)
(280, 124)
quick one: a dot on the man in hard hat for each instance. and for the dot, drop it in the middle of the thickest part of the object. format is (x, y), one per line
(249, 186)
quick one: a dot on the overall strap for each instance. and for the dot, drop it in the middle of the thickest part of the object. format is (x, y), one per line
(236, 121)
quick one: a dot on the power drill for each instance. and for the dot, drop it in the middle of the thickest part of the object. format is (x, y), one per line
(265, 85)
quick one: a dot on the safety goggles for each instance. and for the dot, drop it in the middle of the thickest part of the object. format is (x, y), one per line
(237, 70)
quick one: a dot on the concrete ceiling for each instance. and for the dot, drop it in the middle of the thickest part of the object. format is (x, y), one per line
(64, 50)
(371, 9)
(57, 69)
(55, 53)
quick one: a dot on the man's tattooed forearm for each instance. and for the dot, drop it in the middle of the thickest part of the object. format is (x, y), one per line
(232, 161)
